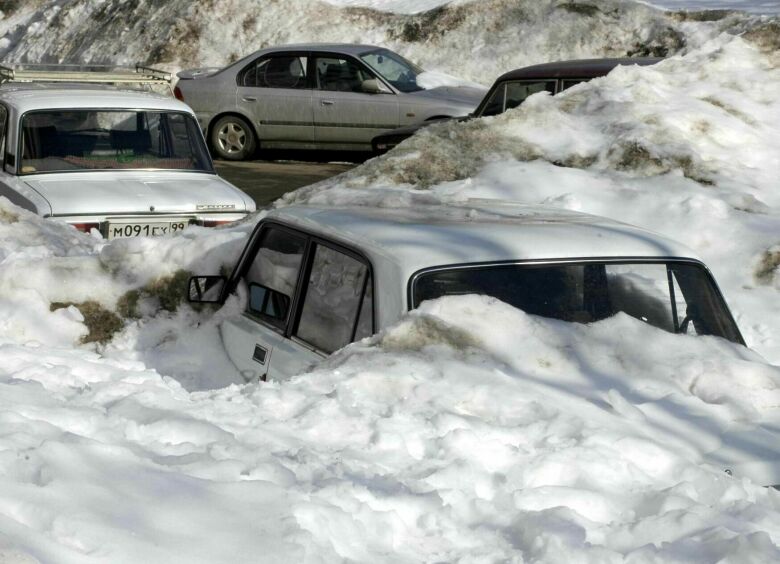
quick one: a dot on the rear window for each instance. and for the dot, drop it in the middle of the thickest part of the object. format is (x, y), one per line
(678, 297)
(77, 140)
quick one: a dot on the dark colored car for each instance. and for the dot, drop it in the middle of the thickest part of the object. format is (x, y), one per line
(512, 88)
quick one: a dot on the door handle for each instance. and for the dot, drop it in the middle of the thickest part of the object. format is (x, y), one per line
(249, 99)
(327, 102)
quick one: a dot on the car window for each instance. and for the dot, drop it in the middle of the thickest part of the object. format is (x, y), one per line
(511, 94)
(495, 105)
(82, 139)
(282, 71)
(340, 74)
(517, 92)
(675, 297)
(569, 82)
(394, 68)
(273, 275)
(336, 308)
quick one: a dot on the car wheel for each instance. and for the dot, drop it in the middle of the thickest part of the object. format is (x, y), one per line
(232, 138)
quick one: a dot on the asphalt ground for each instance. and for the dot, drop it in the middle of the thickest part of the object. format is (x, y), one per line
(277, 173)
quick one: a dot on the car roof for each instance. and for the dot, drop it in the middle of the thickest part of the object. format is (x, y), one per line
(348, 48)
(478, 231)
(575, 68)
(43, 96)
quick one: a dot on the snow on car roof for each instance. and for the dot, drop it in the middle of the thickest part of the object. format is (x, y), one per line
(35, 96)
(479, 231)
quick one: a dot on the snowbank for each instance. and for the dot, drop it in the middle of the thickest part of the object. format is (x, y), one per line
(475, 41)
(469, 432)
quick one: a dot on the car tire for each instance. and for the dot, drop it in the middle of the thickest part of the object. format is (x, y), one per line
(232, 138)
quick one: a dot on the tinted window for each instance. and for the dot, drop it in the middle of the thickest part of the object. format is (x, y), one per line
(286, 71)
(273, 275)
(71, 140)
(340, 74)
(334, 299)
(593, 291)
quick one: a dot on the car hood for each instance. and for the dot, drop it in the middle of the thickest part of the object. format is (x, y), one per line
(461, 95)
(109, 193)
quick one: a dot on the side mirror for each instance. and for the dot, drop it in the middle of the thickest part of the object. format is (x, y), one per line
(373, 86)
(206, 289)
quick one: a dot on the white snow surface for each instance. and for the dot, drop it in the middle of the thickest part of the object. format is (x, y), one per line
(475, 41)
(417, 6)
(469, 432)
(750, 6)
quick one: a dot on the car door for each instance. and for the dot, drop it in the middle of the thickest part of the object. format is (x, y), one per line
(275, 91)
(305, 299)
(343, 112)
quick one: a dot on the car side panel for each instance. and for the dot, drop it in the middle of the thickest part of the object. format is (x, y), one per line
(278, 114)
(260, 353)
(353, 117)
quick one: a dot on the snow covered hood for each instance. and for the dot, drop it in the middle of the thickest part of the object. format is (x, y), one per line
(118, 193)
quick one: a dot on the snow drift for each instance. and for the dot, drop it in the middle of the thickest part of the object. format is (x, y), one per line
(470, 431)
(476, 41)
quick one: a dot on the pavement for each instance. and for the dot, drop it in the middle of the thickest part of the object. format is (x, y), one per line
(267, 180)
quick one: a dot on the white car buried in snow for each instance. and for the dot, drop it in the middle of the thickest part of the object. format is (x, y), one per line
(316, 279)
(125, 163)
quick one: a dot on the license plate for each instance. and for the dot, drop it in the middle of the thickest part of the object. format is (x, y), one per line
(145, 228)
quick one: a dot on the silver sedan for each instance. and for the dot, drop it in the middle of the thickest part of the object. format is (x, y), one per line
(314, 97)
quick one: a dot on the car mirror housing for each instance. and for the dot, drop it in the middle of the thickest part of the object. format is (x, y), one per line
(206, 289)
(373, 86)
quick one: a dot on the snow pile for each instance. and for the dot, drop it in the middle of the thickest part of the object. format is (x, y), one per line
(473, 40)
(689, 148)
(469, 432)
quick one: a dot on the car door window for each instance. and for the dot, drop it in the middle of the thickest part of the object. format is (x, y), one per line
(495, 105)
(273, 275)
(517, 92)
(569, 82)
(340, 74)
(282, 71)
(511, 94)
(337, 307)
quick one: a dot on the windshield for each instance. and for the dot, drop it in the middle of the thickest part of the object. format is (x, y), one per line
(75, 140)
(679, 297)
(394, 69)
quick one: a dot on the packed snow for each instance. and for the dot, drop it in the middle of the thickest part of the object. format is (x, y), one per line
(475, 41)
(468, 432)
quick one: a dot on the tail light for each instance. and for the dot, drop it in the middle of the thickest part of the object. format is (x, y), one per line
(216, 222)
(178, 94)
(86, 227)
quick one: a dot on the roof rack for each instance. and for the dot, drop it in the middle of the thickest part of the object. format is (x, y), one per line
(91, 74)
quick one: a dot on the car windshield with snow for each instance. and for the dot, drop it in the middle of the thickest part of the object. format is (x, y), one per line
(122, 162)
(316, 279)
(512, 88)
(315, 96)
